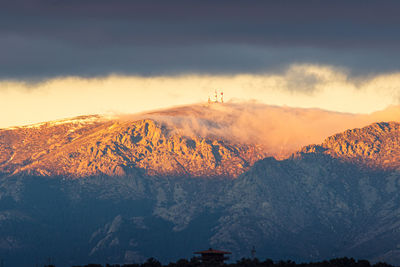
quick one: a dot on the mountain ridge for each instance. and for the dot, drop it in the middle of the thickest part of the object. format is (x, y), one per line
(114, 147)
(376, 146)
(94, 145)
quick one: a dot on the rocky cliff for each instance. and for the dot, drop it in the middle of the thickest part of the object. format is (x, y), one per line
(375, 146)
(92, 145)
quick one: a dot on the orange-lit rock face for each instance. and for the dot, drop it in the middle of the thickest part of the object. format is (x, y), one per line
(91, 145)
(375, 146)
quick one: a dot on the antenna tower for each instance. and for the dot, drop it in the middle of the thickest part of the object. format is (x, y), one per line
(253, 252)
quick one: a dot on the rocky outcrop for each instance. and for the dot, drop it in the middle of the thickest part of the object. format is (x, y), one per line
(376, 146)
(82, 147)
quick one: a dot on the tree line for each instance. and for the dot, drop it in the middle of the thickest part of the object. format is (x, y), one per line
(246, 262)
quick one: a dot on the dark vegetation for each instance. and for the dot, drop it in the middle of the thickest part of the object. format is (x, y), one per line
(245, 262)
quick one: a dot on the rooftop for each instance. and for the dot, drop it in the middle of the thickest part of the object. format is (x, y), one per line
(212, 251)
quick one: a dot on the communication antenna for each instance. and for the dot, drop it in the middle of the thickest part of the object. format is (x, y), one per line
(253, 252)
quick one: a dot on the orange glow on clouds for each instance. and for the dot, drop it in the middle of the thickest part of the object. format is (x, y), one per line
(299, 86)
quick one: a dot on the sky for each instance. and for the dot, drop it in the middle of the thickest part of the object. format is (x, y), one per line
(65, 58)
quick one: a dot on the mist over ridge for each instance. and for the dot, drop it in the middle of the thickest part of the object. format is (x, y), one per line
(281, 130)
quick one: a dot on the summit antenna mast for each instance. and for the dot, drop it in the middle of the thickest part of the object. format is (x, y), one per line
(253, 252)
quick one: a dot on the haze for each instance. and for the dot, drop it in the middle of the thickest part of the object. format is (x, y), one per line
(306, 86)
(280, 130)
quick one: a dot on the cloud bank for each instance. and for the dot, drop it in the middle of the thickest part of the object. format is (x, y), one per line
(42, 39)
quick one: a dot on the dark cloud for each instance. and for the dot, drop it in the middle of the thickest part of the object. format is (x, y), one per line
(89, 38)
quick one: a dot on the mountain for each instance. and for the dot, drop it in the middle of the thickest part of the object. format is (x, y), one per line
(337, 198)
(215, 140)
(94, 145)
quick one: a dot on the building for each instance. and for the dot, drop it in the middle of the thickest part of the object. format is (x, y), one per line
(216, 99)
(213, 256)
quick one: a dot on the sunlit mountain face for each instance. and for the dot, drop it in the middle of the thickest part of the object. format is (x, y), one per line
(138, 129)
(207, 140)
(92, 145)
